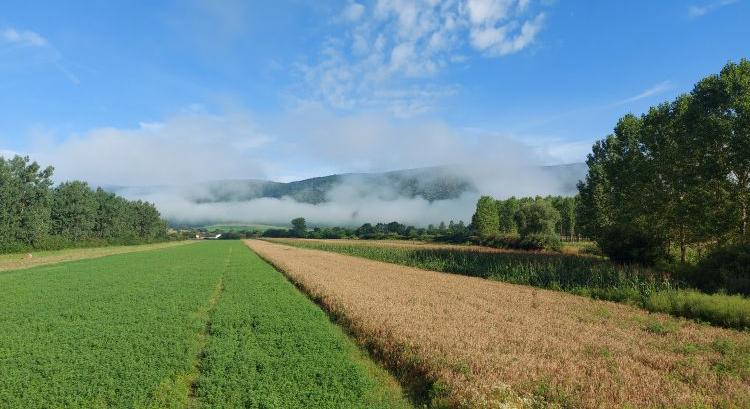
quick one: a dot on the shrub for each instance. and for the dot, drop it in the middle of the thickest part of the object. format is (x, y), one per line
(626, 244)
(726, 268)
(541, 242)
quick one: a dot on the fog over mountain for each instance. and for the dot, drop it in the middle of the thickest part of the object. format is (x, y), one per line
(415, 196)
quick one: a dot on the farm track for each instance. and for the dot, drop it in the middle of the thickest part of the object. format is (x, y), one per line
(481, 343)
(191, 399)
(19, 261)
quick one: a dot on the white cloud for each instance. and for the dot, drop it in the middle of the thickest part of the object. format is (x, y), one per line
(353, 12)
(30, 47)
(702, 10)
(24, 38)
(654, 90)
(183, 149)
(400, 44)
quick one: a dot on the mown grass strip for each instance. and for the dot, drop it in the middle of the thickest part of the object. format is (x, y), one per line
(17, 261)
(585, 276)
(271, 347)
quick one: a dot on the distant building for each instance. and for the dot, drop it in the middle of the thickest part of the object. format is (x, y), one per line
(207, 237)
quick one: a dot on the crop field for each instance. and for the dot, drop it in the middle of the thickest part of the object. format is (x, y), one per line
(461, 341)
(204, 325)
(581, 275)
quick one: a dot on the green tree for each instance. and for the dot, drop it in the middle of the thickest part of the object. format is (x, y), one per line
(74, 211)
(299, 226)
(507, 210)
(24, 202)
(485, 220)
(723, 103)
(537, 217)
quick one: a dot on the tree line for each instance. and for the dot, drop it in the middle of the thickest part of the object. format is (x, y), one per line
(675, 178)
(447, 232)
(527, 222)
(35, 214)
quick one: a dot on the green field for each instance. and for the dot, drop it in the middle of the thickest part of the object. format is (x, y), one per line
(205, 325)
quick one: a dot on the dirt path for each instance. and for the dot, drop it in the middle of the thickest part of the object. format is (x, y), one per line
(481, 343)
(28, 260)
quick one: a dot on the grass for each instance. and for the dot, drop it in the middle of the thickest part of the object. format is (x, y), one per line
(17, 261)
(270, 347)
(469, 342)
(205, 325)
(588, 276)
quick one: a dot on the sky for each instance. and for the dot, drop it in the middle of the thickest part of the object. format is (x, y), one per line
(169, 92)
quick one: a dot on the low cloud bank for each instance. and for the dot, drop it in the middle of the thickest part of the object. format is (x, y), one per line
(182, 153)
(355, 201)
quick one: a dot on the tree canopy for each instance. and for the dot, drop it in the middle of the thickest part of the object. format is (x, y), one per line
(36, 215)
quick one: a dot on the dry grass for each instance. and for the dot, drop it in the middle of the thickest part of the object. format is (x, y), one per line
(19, 261)
(488, 344)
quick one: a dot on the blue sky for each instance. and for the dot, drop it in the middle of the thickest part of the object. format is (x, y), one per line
(140, 92)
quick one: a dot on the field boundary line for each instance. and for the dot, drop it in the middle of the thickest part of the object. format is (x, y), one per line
(192, 399)
(414, 381)
(180, 390)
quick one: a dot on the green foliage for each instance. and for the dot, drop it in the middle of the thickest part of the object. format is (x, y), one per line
(299, 226)
(24, 203)
(541, 241)
(679, 173)
(731, 311)
(33, 215)
(201, 325)
(725, 269)
(507, 210)
(486, 220)
(74, 211)
(537, 217)
(526, 223)
(625, 244)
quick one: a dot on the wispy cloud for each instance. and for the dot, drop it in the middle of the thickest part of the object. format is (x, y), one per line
(28, 42)
(392, 52)
(23, 38)
(701, 10)
(654, 90)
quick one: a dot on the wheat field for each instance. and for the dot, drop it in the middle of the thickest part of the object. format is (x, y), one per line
(479, 343)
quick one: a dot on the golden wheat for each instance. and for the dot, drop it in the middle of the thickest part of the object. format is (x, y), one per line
(490, 344)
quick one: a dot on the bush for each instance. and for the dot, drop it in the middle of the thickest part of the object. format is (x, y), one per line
(625, 244)
(726, 268)
(541, 242)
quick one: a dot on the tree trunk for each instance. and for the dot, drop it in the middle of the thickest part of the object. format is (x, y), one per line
(683, 249)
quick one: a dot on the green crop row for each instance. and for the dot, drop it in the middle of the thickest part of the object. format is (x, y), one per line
(593, 277)
(271, 347)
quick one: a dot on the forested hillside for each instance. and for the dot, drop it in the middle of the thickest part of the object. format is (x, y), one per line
(432, 184)
(34, 214)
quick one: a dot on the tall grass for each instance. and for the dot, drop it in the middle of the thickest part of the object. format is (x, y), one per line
(588, 276)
